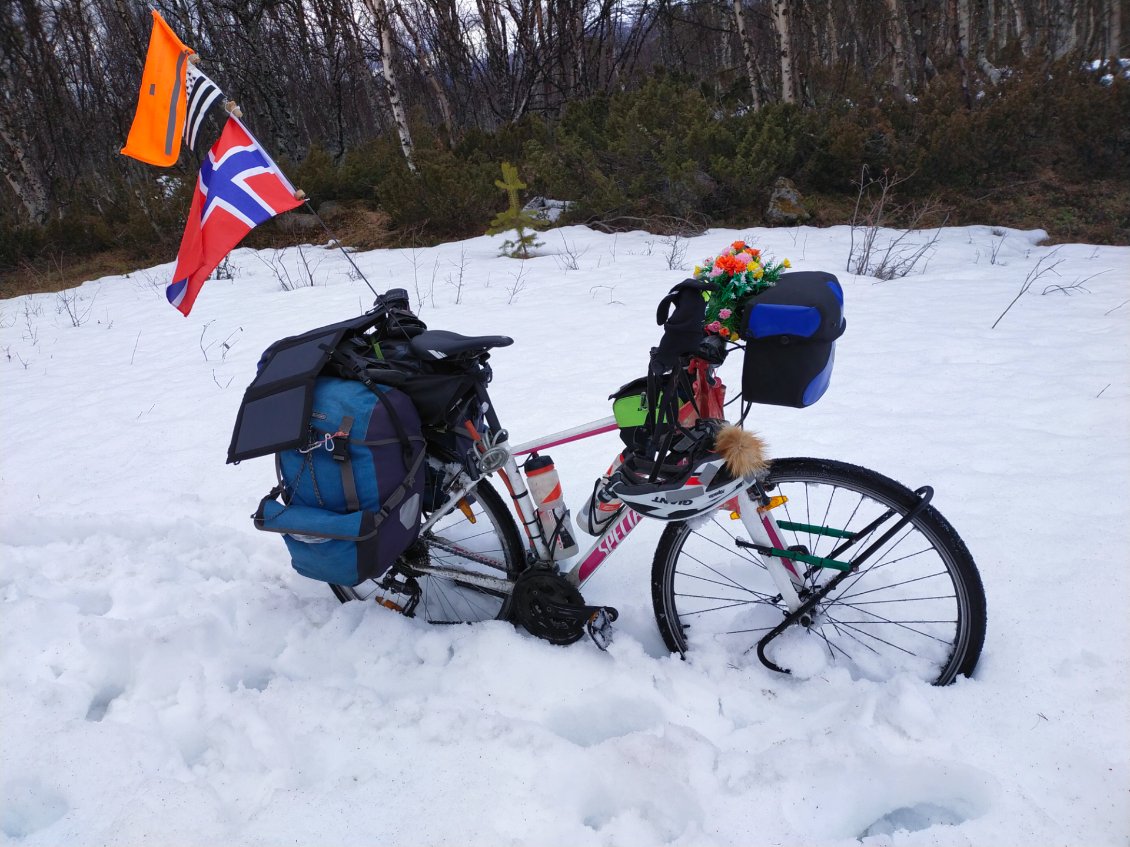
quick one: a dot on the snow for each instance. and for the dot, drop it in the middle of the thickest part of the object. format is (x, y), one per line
(169, 679)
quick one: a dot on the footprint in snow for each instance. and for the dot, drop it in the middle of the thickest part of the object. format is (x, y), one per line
(29, 806)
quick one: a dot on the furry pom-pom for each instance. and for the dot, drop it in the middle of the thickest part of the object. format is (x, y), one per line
(744, 451)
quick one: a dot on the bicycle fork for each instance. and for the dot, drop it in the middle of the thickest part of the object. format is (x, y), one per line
(783, 566)
(783, 563)
(766, 535)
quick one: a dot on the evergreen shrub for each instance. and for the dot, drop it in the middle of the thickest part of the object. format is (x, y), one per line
(673, 148)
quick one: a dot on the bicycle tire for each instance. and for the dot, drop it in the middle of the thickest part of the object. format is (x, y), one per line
(916, 617)
(447, 600)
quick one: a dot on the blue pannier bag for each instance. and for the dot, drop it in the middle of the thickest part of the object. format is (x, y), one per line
(790, 332)
(349, 497)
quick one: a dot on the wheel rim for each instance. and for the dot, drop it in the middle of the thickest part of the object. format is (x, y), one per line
(903, 612)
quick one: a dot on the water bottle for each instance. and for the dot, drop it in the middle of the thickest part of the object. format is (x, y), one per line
(545, 489)
(603, 505)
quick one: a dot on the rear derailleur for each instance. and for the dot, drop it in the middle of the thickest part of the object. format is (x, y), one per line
(549, 606)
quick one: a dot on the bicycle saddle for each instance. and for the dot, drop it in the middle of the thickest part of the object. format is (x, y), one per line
(439, 343)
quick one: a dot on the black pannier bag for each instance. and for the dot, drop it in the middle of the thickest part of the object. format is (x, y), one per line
(790, 332)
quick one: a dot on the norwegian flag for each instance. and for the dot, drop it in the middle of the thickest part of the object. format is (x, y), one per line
(238, 189)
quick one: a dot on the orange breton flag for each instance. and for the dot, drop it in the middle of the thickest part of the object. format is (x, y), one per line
(156, 132)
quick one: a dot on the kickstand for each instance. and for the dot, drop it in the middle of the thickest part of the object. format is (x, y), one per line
(599, 626)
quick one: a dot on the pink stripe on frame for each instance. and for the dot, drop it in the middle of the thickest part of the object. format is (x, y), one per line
(577, 437)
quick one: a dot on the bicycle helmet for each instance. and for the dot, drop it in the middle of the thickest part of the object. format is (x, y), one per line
(691, 480)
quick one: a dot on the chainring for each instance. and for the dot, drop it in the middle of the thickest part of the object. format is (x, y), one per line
(538, 597)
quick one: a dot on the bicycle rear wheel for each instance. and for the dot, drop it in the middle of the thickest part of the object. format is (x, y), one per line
(477, 538)
(915, 606)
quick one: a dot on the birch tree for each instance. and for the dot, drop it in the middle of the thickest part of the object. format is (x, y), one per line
(747, 53)
(781, 22)
(896, 22)
(383, 24)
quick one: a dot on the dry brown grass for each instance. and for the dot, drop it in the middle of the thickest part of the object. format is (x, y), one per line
(1096, 212)
(56, 273)
(362, 229)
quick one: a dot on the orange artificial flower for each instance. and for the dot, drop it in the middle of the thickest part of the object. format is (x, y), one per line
(729, 264)
(738, 246)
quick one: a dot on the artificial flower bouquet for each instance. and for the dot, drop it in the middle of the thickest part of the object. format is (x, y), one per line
(740, 272)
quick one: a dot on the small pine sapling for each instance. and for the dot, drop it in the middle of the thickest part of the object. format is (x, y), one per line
(514, 217)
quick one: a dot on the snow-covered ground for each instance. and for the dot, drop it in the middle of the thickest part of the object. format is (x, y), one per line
(168, 679)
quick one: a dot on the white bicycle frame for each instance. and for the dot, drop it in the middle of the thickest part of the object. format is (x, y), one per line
(758, 521)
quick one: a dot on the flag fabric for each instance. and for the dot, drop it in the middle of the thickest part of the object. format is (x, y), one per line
(154, 136)
(239, 187)
(202, 93)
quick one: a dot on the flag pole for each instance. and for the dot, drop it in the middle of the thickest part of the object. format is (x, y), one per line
(299, 194)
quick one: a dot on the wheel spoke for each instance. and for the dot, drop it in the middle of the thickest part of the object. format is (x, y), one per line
(833, 646)
(899, 600)
(841, 597)
(718, 573)
(732, 605)
(727, 584)
(735, 550)
(877, 638)
(902, 624)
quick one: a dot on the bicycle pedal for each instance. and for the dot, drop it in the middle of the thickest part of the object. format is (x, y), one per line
(391, 604)
(599, 626)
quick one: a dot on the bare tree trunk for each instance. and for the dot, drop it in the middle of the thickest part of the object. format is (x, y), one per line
(20, 175)
(384, 29)
(920, 27)
(1061, 30)
(747, 52)
(424, 57)
(1023, 34)
(895, 22)
(781, 13)
(831, 43)
(959, 23)
(1113, 12)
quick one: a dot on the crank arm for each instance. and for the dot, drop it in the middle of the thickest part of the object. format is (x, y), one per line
(596, 620)
(580, 615)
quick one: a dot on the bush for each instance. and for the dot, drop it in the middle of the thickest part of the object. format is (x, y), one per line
(18, 243)
(670, 148)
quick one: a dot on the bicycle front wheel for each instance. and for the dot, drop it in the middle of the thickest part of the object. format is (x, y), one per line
(916, 605)
(440, 578)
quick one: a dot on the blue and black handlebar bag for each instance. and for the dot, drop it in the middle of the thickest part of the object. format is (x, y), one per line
(790, 332)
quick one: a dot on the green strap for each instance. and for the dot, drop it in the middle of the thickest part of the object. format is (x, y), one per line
(815, 530)
(818, 561)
